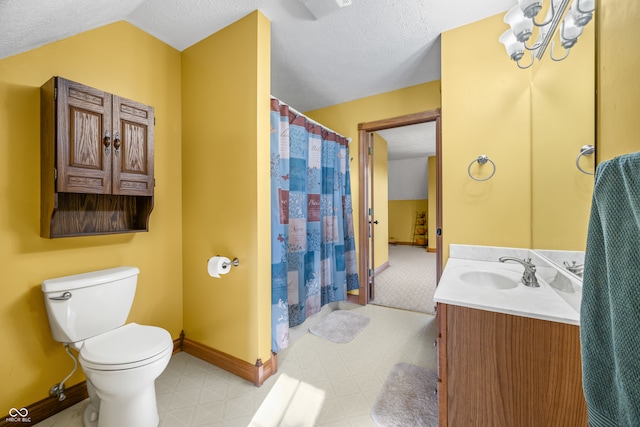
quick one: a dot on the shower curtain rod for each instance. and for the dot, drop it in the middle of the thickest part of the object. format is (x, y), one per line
(294, 111)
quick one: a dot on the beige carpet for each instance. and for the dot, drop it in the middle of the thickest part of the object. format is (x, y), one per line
(407, 398)
(410, 280)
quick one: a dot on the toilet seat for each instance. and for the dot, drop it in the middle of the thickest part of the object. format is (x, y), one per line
(126, 347)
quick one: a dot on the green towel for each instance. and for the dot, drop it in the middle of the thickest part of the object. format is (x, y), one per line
(610, 310)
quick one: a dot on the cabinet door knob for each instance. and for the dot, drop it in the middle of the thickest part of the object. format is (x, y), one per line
(116, 142)
(107, 142)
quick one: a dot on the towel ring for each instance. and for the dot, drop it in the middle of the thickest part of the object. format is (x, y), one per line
(586, 150)
(481, 160)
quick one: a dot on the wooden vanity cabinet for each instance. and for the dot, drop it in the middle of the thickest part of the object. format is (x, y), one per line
(97, 170)
(503, 370)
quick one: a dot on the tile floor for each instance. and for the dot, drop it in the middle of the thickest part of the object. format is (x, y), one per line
(192, 392)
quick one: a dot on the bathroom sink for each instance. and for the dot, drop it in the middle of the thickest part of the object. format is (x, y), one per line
(487, 284)
(490, 279)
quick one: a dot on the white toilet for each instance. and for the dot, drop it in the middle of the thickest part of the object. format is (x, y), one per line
(88, 311)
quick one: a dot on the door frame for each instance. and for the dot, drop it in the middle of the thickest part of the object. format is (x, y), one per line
(363, 202)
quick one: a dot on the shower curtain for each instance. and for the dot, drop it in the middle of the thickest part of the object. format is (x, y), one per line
(313, 256)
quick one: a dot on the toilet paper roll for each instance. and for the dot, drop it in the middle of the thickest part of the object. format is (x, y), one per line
(218, 265)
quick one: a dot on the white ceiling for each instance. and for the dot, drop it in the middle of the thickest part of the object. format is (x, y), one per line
(409, 142)
(367, 48)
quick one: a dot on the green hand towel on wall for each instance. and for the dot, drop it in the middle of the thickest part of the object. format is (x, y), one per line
(610, 310)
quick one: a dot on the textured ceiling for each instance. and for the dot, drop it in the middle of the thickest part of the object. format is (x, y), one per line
(367, 48)
(409, 142)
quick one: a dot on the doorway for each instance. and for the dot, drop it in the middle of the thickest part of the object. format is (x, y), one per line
(367, 218)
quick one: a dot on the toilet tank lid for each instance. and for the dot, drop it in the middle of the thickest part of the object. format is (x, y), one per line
(92, 278)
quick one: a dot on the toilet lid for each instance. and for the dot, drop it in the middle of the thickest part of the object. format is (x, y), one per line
(126, 345)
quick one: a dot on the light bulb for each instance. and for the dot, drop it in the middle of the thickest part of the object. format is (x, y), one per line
(586, 5)
(520, 25)
(515, 49)
(581, 10)
(530, 8)
(569, 32)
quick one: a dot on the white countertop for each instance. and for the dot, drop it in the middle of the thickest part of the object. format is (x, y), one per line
(557, 299)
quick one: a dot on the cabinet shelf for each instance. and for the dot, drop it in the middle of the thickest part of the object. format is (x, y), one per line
(76, 214)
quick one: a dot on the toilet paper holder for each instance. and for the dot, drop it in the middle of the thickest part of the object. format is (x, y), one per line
(219, 265)
(235, 262)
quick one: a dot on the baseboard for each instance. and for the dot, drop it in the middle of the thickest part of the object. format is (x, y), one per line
(382, 268)
(433, 250)
(257, 373)
(47, 407)
(414, 244)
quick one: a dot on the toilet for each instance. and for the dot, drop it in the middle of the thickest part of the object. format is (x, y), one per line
(121, 361)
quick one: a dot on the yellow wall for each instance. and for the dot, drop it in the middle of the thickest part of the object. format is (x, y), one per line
(380, 200)
(618, 127)
(123, 60)
(402, 218)
(226, 207)
(431, 214)
(486, 110)
(345, 117)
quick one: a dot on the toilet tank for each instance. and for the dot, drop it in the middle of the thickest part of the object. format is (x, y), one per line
(84, 305)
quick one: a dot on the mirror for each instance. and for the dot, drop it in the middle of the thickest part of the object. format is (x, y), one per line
(569, 261)
(533, 123)
(562, 122)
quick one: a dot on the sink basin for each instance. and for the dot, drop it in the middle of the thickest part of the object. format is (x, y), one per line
(486, 284)
(490, 279)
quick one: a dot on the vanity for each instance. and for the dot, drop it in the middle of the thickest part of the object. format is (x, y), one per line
(508, 354)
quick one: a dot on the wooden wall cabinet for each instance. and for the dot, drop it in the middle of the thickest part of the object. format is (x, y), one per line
(502, 370)
(97, 153)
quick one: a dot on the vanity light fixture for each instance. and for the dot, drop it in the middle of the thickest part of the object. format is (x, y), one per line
(522, 21)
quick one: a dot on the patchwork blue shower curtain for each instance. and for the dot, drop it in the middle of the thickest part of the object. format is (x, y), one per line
(313, 255)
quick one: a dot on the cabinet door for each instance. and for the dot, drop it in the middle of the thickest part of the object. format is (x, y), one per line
(132, 148)
(83, 122)
(505, 370)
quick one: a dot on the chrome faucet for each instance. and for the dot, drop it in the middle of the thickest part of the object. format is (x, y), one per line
(574, 268)
(529, 277)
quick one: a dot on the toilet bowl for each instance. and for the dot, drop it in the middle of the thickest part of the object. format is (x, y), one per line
(121, 368)
(121, 361)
